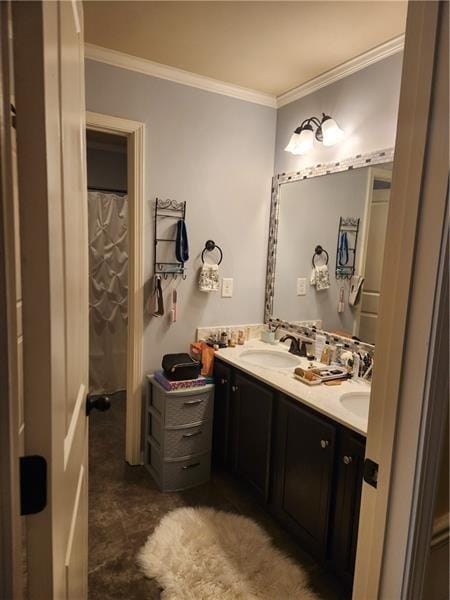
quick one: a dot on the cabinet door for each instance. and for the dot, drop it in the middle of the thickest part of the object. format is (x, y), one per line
(221, 428)
(350, 463)
(252, 405)
(304, 473)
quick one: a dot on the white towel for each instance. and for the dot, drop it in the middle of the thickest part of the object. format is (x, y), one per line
(320, 277)
(356, 283)
(209, 278)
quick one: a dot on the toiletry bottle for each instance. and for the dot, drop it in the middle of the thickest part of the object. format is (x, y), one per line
(319, 345)
(232, 340)
(356, 365)
(339, 350)
(332, 353)
(241, 337)
(325, 358)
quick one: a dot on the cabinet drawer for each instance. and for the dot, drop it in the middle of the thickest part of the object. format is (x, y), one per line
(183, 410)
(177, 409)
(176, 475)
(187, 441)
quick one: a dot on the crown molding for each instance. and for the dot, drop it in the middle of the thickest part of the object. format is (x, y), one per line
(154, 69)
(347, 68)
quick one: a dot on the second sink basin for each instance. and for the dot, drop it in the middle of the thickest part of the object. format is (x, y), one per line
(270, 359)
(357, 403)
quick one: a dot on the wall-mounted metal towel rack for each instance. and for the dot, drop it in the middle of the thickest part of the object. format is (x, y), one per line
(167, 209)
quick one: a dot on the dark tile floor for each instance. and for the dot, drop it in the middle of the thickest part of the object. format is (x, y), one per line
(125, 506)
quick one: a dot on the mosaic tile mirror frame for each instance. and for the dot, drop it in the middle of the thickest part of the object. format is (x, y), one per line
(359, 161)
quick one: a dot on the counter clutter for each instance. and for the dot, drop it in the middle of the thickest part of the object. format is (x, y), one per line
(324, 399)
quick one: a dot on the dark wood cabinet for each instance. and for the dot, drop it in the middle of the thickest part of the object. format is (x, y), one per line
(305, 467)
(251, 426)
(305, 446)
(221, 426)
(344, 530)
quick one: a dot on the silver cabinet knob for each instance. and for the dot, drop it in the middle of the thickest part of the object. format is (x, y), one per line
(223, 381)
(347, 460)
(234, 388)
(324, 443)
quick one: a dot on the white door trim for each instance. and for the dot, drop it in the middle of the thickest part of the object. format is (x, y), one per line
(411, 278)
(134, 131)
(11, 578)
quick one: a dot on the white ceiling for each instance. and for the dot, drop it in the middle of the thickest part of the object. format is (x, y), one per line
(271, 47)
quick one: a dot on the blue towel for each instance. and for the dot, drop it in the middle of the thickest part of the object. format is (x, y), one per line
(182, 245)
(343, 249)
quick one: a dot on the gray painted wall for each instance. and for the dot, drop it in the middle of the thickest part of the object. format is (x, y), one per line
(216, 153)
(364, 104)
(309, 215)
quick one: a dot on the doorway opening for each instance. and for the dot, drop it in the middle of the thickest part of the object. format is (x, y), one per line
(108, 263)
(115, 159)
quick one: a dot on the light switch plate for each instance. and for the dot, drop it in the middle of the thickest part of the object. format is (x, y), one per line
(301, 286)
(227, 287)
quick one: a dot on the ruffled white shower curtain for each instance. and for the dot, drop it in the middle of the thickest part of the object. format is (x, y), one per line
(108, 293)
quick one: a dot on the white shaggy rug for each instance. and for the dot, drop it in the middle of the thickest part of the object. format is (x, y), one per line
(203, 554)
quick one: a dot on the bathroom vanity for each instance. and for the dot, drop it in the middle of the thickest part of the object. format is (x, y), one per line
(298, 448)
(301, 448)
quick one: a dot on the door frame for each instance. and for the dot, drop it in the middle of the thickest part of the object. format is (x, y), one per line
(11, 549)
(405, 430)
(134, 132)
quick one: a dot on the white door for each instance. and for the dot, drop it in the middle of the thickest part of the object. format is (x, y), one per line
(373, 259)
(49, 77)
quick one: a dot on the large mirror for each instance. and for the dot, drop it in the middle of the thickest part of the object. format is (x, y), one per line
(326, 246)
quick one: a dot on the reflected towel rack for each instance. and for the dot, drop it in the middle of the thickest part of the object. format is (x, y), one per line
(349, 226)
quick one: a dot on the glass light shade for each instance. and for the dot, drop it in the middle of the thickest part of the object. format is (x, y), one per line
(292, 142)
(305, 141)
(331, 132)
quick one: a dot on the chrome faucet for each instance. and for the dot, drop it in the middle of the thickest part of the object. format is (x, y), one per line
(295, 347)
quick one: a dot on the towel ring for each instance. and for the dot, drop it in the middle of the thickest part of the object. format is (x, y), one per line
(209, 247)
(318, 250)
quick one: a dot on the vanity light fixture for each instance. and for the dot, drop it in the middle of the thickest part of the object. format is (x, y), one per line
(327, 131)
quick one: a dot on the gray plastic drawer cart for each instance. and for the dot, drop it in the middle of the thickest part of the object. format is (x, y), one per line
(178, 435)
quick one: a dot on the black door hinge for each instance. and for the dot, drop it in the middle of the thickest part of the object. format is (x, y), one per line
(370, 472)
(33, 484)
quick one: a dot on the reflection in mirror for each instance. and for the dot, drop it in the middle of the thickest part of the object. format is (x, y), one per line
(340, 216)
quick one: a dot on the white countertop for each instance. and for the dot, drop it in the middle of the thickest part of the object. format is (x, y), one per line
(322, 398)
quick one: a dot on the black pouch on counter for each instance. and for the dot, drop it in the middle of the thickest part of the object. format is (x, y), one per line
(178, 367)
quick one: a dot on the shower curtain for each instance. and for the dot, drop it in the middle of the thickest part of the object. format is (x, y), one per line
(108, 291)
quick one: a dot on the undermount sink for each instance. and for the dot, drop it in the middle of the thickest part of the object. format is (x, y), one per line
(357, 403)
(270, 359)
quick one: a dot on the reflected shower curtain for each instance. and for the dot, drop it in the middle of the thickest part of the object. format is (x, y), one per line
(108, 291)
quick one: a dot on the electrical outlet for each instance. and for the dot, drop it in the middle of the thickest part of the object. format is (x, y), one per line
(227, 287)
(301, 286)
